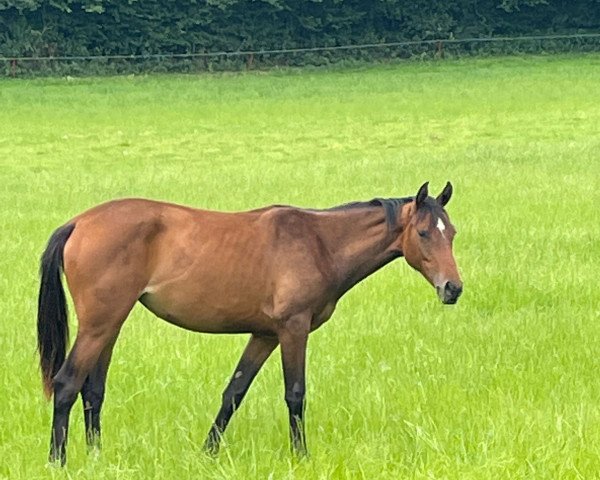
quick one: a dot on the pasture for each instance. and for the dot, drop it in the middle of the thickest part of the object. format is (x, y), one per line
(503, 385)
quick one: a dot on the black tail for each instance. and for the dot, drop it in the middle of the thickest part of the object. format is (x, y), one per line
(53, 328)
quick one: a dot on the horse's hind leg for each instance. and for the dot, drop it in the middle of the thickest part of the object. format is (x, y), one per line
(92, 396)
(97, 331)
(67, 385)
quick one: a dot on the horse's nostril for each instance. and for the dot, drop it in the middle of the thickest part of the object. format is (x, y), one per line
(452, 289)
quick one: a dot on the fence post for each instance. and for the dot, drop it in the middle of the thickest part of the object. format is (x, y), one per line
(439, 50)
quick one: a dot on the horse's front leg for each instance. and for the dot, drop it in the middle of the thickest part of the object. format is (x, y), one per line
(293, 338)
(256, 353)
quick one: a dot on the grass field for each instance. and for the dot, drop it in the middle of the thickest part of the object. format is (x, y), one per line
(504, 385)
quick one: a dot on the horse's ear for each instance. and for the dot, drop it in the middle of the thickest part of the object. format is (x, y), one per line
(422, 194)
(444, 197)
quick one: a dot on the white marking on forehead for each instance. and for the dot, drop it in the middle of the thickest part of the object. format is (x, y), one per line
(441, 227)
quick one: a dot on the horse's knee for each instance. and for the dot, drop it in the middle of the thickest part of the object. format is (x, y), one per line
(232, 397)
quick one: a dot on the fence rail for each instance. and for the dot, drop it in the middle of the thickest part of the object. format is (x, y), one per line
(239, 53)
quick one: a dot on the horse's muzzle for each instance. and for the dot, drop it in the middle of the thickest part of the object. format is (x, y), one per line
(449, 293)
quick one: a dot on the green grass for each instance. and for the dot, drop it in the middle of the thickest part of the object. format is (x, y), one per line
(504, 385)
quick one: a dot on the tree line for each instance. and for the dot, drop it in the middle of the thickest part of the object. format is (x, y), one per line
(50, 28)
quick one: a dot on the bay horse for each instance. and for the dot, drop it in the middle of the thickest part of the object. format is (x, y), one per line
(276, 273)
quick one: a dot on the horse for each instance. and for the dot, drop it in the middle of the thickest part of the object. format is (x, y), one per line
(275, 273)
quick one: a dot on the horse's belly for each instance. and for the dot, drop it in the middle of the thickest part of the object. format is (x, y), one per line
(207, 315)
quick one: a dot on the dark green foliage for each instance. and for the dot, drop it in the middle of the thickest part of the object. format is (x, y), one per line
(108, 27)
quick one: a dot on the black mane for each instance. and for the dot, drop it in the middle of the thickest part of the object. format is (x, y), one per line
(390, 205)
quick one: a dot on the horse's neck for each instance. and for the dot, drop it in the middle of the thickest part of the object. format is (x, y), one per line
(360, 242)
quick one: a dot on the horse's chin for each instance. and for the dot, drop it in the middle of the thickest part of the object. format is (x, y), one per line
(449, 301)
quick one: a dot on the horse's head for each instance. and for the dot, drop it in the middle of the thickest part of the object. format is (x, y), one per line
(426, 242)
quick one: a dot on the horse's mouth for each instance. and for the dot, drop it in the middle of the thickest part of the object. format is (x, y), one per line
(450, 301)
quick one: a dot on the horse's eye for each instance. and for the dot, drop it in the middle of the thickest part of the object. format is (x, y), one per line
(423, 233)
